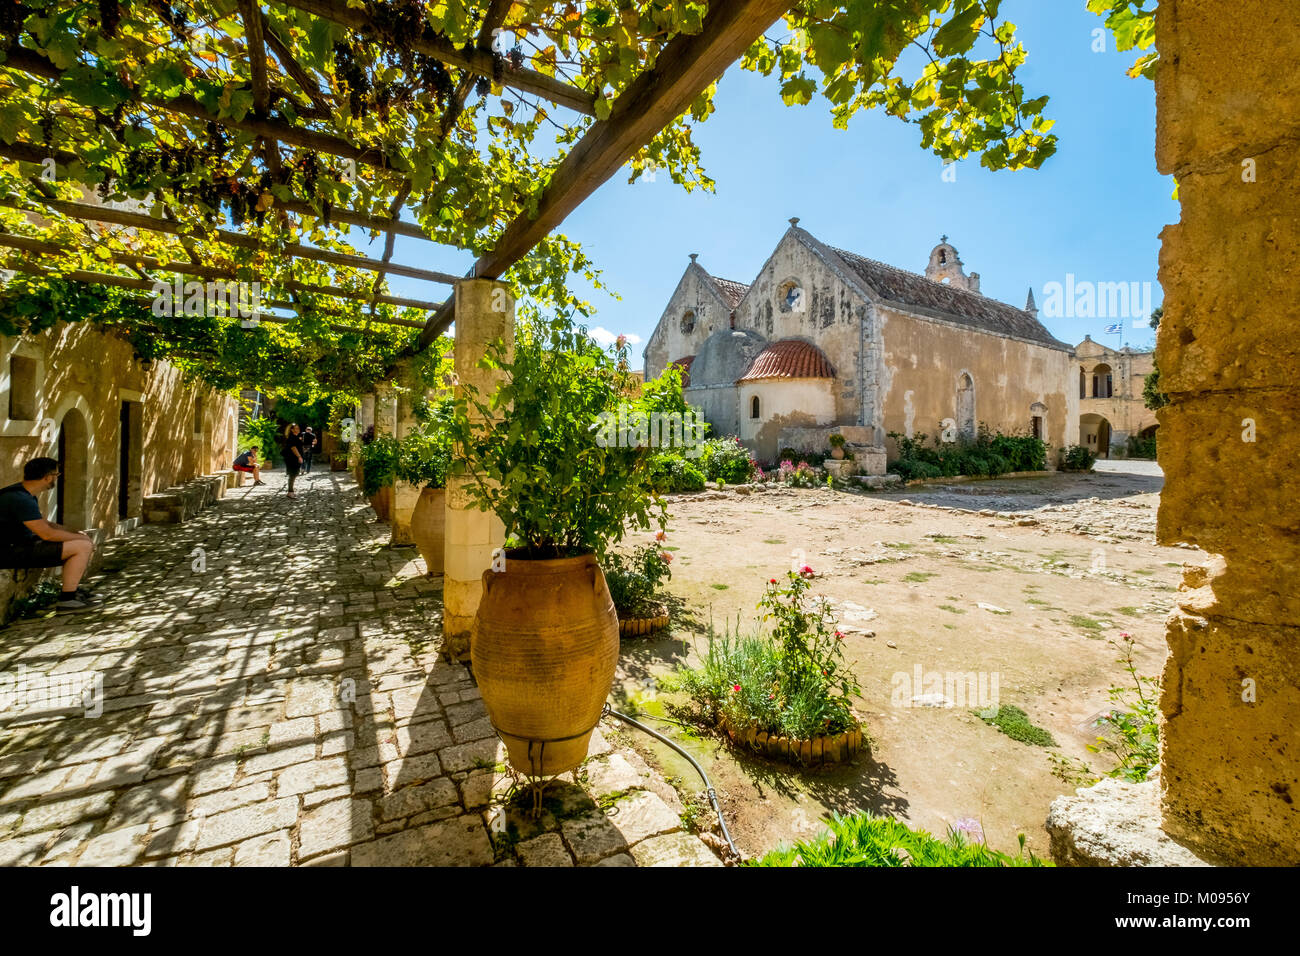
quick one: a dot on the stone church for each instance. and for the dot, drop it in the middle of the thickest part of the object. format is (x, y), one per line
(825, 341)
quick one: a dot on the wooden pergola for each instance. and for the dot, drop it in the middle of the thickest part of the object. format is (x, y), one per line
(685, 65)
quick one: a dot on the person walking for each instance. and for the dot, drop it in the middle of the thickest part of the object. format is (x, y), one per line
(308, 450)
(293, 458)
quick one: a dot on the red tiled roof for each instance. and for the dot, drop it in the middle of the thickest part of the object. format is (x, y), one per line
(685, 365)
(733, 292)
(790, 358)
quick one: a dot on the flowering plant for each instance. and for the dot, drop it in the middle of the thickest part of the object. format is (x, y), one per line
(634, 580)
(802, 475)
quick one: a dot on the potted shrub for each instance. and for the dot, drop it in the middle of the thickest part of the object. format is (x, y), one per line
(837, 447)
(634, 582)
(378, 472)
(545, 640)
(423, 459)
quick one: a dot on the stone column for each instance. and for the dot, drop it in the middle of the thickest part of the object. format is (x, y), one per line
(1229, 359)
(405, 495)
(485, 312)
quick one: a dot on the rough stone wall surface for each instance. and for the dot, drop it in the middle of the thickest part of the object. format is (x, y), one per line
(783, 404)
(1228, 126)
(828, 314)
(85, 375)
(923, 361)
(668, 343)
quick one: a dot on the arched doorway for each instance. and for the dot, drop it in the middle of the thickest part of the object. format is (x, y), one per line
(1094, 434)
(70, 494)
(1103, 385)
(966, 407)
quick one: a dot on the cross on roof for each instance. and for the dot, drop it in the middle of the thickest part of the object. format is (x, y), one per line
(943, 238)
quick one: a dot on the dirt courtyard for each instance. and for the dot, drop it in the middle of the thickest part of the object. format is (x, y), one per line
(1026, 579)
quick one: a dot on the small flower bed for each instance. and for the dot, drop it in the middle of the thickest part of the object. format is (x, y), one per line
(802, 475)
(791, 683)
(635, 579)
(727, 460)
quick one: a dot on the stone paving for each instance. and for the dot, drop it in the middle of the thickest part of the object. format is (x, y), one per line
(272, 696)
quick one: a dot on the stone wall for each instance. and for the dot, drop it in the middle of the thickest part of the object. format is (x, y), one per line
(77, 378)
(669, 342)
(1228, 108)
(923, 360)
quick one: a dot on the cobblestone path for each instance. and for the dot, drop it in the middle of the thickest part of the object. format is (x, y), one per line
(275, 699)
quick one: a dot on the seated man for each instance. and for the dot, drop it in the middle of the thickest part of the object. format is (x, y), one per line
(27, 540)
(248, 462)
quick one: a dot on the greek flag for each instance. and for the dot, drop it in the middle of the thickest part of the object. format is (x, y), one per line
(1115, 329)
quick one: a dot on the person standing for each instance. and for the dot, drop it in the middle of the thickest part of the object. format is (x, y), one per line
(308, 450)
(293, 458)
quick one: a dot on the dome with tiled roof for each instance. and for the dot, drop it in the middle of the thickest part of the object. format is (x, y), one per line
(789, 358)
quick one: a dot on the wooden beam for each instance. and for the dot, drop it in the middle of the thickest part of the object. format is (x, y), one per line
(135, 260)
(28, 61)
(300, 76)
(685, 66)
(251, 13)
(28, 153)
(91, 213)
(144, 285)
(476, 61)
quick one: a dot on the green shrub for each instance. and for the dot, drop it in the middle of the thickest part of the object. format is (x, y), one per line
(727, 460)
(985, 456)
(1077, 458)
(635, 579)
(424, 455)
(671, 473)
(1139, 447)
(1135, 741)
(793, 682)
(866, 840)
(265, 434)
(379, 464)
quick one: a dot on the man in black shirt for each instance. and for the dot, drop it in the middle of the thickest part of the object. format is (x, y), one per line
(292, 456)
(27, 540)
(308, 449)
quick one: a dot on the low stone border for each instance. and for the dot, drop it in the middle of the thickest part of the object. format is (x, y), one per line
(962, 479)
(819, 751)
(641, 626)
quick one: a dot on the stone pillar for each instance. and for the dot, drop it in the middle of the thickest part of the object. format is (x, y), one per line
(485, 312)
(405, 495)
(1229, 358)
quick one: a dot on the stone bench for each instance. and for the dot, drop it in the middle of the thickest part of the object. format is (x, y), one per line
(181, 502)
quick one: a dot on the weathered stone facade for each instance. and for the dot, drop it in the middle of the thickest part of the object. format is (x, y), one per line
(1229, 355)
(84, 383)
(1111, 407)
(908, 351)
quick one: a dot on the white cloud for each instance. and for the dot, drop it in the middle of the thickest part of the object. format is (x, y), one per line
(605, 337)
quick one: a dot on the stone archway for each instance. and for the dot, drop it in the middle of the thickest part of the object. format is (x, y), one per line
(72, 493)
(966, 407)
(1094, 434)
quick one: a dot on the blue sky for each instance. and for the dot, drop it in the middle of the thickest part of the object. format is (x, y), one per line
(1094, 210)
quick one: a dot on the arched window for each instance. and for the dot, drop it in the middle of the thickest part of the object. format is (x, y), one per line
(1083, 383)
(1102, 382)
(753, 407)
(790, 297)
(966, 407)
(688, 322)
(943, 256)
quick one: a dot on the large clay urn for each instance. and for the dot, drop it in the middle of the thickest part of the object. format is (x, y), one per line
(544, 650)
(428, 524)
(382, 503)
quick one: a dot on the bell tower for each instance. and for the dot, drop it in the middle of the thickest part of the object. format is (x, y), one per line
(946, 267)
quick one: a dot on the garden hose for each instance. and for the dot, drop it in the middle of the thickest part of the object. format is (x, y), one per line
(708, 786)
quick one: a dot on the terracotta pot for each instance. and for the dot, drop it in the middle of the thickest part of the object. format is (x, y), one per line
(428, 523)
(837, 452)
(383, 503)
(544, 650)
